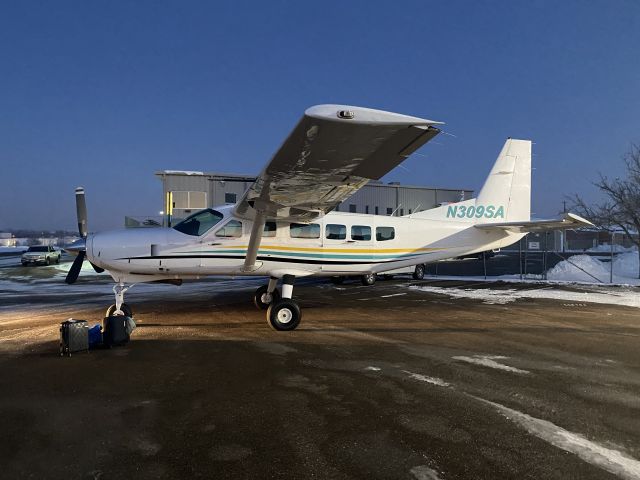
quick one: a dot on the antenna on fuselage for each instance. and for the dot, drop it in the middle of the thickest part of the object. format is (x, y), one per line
(397, 208)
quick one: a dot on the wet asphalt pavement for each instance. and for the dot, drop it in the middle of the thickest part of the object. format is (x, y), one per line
(377, 382)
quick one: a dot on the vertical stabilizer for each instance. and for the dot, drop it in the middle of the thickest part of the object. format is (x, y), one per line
(509, 183)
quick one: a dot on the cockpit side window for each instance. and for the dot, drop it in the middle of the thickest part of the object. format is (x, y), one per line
(233, 228)
(199, 223)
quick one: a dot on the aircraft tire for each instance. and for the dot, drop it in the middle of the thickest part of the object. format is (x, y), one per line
(258, 297)
(128, 312)
(368, 280)
(418, 273)
(284, 315)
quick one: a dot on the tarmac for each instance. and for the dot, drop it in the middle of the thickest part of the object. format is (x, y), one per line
(381, 382)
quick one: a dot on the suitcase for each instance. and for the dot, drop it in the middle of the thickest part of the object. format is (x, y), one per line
(114, 330)
(74, 336)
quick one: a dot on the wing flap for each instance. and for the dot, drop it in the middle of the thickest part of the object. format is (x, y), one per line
(568, 221)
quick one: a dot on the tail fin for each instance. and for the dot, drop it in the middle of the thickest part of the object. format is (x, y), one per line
(505, 195)
(509, 183)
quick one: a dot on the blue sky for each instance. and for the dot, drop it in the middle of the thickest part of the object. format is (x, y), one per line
(103, 94)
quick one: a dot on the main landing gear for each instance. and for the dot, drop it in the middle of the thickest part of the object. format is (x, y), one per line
(120, 308)
(283, 314)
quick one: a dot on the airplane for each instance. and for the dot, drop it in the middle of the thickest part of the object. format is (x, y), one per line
(285, 227)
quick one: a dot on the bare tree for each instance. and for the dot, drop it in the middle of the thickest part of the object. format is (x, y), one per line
(621, 209)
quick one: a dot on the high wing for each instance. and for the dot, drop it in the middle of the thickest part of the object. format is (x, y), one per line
(568, 221)
(333, 151)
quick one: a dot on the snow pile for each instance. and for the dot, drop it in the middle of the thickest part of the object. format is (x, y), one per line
(626, 264)
(582, 268)
(576, 268)
(606, 248)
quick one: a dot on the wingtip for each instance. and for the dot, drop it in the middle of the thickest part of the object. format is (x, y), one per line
(362, 115)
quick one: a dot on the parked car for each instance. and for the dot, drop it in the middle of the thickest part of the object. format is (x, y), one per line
(40, 254)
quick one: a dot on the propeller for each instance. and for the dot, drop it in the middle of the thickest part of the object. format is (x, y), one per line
(80, 246)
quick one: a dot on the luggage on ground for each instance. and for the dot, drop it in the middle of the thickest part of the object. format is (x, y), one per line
(114, 330)
(74, 336)
(95, 336)
(131, 325)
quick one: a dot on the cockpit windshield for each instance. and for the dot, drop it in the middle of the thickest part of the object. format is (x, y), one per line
(199, 223)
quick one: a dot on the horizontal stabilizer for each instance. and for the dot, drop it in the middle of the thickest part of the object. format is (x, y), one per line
(568, 221)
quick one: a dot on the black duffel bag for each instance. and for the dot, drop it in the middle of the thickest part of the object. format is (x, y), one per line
(116, 330)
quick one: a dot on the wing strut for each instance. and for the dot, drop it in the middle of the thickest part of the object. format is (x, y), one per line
(254, 241)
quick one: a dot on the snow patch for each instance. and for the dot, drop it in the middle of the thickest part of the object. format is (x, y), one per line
(613, 461)
(183, 172)
(490, 361)
(372, 369)
(493, 296)
(422, 472)
(13, 250)
(423, 378)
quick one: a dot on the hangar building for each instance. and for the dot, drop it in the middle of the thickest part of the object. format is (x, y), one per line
(189, 192)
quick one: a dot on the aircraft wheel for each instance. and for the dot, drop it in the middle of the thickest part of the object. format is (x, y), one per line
(126, 309)
(368, 279)
(262, 299)
(418, 273)
(337, 280)
(284, 315)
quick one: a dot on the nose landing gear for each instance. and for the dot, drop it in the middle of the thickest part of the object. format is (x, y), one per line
(120, 308)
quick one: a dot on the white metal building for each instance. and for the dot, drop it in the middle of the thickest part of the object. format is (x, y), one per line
(185, 192)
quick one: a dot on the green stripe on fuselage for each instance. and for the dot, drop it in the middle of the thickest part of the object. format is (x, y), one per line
(364, 256)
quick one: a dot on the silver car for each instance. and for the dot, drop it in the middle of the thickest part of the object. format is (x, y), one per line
(40, 255)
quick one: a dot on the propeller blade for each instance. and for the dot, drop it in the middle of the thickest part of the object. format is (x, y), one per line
(96, 268)
(74, 271)
(81, 212)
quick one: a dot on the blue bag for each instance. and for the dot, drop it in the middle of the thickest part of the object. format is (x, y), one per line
(95, 336)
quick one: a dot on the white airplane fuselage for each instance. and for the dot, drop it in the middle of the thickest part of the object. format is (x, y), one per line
(153, 254)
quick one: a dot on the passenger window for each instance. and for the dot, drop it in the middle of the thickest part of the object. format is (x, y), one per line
(269, 229)
(231, 229)
(335, 232)
(303, 230)
(385, 233)
(360, 232)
